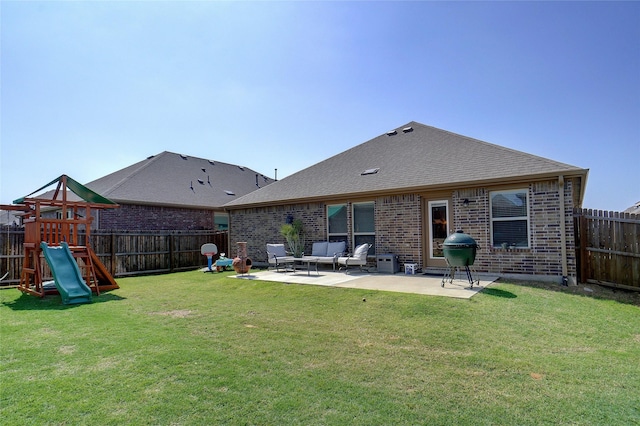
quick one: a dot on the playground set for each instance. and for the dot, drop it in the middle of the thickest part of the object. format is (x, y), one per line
(58, 230)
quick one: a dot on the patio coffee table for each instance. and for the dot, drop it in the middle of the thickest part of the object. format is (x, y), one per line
(309, 260)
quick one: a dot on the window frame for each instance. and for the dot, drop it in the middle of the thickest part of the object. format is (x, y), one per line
(437, 203)
(337, 236)
(219, 226)
(526, 218)
(355, 234)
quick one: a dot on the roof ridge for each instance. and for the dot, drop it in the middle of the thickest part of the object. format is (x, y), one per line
(499, 147)
(215, 162)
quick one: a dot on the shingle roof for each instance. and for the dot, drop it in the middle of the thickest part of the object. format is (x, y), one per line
(634, 209)
(178, 180)
(416, 158)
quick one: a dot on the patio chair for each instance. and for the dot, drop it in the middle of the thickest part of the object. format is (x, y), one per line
(358, 258)
(278, 256)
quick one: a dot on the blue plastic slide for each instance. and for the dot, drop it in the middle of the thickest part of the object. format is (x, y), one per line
(66, 274)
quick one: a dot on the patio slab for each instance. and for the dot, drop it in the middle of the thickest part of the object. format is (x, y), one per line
(416, 284)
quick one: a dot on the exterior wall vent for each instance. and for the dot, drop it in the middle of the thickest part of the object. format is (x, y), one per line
(407, 129)
(370, 171)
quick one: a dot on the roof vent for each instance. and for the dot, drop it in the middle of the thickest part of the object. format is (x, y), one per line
(204, 170)
(407, 129)
(184, 157)
(212, 163)
(150, 157)
(391, 133)
(200, 181)
(229, 192)
(370, 171)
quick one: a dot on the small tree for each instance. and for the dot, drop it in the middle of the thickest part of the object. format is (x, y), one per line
(294, 234)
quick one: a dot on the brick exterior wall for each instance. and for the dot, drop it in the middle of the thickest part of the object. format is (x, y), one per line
(259, 226)
(544, 255)
(399, 229)
(152, 218)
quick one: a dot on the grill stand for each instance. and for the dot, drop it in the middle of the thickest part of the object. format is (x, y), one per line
(450, 274)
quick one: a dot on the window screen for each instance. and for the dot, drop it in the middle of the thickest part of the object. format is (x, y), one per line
(364, 226)
(510, 218)
(337, 222)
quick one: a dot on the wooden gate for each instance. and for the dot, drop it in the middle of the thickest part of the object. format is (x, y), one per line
(608, 248)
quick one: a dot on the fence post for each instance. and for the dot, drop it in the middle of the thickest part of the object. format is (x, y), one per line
(113, 262)
(584, 258)
(171, 251)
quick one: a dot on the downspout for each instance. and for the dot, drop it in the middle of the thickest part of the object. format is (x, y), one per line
(563, 234)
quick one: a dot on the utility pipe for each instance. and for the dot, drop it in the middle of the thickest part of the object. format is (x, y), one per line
(563, 234)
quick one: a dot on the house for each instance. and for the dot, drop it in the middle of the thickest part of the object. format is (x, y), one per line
(9, 218)
(634, 209)
(407, 189)
(172, 191)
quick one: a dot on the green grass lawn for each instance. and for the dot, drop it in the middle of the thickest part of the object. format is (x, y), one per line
(194, 348)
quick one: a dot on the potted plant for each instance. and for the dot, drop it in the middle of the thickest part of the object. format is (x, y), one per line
(294, 234)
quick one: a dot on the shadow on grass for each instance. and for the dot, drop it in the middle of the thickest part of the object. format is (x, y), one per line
(498, 293)
(27, 302)
(594, 291)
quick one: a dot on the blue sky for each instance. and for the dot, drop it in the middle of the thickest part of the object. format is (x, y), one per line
(88, 88)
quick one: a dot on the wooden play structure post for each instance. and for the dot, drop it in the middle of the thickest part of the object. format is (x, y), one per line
(40, 226)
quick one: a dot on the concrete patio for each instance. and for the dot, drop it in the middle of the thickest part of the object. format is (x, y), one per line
(417, 284)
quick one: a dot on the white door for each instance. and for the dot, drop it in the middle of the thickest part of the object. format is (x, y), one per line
(437, 227)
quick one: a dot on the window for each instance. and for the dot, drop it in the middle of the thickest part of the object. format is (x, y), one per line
(221, 221)
(510, 218)
(69, 214)
(337, 222)
(364, 226)
(363, 229)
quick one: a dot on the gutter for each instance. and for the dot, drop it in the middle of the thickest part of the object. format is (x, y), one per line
(563, 235)
(325, 197)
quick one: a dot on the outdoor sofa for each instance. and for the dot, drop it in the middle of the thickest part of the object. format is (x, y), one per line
(326, 252)
(323, 252)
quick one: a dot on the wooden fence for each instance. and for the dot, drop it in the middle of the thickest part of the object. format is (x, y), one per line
(608, 248)
(124, 253)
